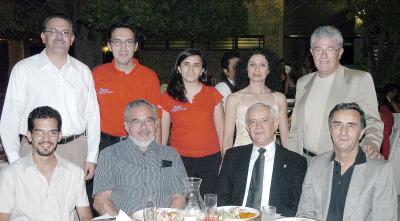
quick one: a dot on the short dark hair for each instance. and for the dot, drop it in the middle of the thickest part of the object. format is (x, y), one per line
(348, 106)
(57, 15)
(44, 112)
(228, 56)
(123, 25)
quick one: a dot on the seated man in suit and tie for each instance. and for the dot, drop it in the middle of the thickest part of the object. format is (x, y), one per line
(262, 173)
(344, 184)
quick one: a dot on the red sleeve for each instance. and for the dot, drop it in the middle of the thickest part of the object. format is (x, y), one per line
(165, 102)
(153, 90)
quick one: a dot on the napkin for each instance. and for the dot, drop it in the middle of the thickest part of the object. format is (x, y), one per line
(103, 217)
(122, 216)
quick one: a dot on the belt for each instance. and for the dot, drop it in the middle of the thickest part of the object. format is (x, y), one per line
(113, 138)
(68, 139)
(311, 154)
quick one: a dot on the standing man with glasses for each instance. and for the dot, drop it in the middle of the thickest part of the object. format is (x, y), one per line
(53, 78)
(121, 81)
(317, 93)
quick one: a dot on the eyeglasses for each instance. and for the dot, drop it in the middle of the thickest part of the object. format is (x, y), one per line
(119, 43)
(138, 123)
(328, 51)
(55, 32)
(42, 133)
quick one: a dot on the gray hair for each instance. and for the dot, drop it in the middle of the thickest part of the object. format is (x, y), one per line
(255, 106)
(137, 103)
(327, 32)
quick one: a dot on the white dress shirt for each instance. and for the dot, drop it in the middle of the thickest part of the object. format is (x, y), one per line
(26, 195)
(224, 90)
(34, 82)
(268, 170)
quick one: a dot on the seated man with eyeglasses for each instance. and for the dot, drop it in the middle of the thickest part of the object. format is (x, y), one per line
(136, 170)
(43, 185)
(121, 81)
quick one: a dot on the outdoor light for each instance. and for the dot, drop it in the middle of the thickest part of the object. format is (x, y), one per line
(105, 49)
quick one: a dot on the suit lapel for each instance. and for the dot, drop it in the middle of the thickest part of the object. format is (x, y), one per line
(353, 193)
(277, 174)
(242, 170)
(302, 97)
(326, 184)
(338, 90)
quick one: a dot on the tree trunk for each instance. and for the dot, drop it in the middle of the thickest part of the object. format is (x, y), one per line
(16, 53)
(87, 46)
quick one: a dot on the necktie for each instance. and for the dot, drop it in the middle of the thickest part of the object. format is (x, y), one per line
(255, 189)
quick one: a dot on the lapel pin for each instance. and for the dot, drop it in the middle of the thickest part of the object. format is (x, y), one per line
(284, 165)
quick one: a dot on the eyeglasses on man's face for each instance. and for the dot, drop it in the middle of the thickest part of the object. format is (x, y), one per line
(55, 32)
(138, 123)
(119, 43)
(329, 51)
(42, 133)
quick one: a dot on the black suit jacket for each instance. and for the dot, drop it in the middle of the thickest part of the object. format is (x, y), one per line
(287, 178)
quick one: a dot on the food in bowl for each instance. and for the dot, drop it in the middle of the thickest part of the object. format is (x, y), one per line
(233, 213)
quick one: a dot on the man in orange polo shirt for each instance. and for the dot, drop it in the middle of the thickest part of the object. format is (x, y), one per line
(121, 81)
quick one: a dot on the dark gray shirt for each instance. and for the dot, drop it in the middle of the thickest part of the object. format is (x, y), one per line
(340, 186)
(133, 175)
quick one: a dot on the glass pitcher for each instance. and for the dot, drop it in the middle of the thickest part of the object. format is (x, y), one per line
(194, 203)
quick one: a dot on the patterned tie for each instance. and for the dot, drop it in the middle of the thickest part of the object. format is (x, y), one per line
(255, 189)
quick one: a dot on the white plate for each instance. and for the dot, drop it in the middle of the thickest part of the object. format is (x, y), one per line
(242, 209)
(295, 219)
(138, 215)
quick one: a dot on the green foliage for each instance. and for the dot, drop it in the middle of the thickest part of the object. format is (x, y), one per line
(378, 16)
(381, 29)
(21, 19)
(183, 19)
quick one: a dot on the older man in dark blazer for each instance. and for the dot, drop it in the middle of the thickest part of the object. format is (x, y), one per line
(250, 177)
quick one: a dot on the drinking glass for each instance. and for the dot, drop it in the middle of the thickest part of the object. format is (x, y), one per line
(210, 202)
(268, 213)
(150, 210)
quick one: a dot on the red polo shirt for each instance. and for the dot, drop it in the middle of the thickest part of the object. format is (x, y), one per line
(193, 132)
(115, 89)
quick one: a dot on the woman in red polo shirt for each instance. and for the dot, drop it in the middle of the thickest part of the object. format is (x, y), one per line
(193, 118)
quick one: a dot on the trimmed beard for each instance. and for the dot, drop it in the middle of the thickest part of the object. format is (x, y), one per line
(142, 143)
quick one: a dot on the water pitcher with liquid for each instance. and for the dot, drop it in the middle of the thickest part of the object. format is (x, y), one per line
(194, 210)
